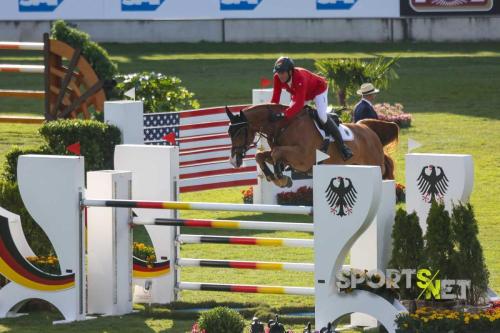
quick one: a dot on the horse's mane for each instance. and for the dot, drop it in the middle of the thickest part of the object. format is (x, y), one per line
(265, 106)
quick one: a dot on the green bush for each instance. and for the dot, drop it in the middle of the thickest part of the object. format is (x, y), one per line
(10, 199)
(469, 259)
(221, 320)
(159, 92)
(439, 249)
(407, 247)
(97, 57)
(97, 140)
(9, 172)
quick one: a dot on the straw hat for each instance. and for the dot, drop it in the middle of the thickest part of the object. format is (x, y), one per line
(367, 89)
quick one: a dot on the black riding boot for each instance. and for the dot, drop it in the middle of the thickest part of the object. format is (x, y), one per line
(333, 130)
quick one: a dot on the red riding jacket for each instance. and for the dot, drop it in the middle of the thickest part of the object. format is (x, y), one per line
(305, 86)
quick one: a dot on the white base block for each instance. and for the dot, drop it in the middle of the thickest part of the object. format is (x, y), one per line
(109, 237)
(128, 117)
(155, 171)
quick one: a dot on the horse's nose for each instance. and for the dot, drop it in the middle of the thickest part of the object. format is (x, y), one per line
(233, 161)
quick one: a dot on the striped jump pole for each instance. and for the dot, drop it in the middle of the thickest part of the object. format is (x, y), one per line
(38, 69)
(288, 242)
(21, 46)
(252, 289)
(274, 209)
(228, 224)
(259, 265)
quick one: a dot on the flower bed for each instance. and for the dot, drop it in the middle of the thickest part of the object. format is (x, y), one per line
(394, 113)
(400, 193)
(144, 252)
(427, 320)
(302, 197)
(248, 195)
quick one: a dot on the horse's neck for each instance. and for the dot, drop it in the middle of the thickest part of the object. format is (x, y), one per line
(258, 118)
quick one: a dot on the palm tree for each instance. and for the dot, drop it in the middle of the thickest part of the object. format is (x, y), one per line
(346, 75)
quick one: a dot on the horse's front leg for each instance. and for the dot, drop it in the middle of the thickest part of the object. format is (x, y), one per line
(281, 156)
(261, 158)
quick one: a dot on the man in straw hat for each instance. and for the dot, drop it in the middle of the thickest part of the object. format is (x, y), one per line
(364, 109)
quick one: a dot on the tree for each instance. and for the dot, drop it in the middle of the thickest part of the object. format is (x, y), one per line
(407, 247)
(346, 75)
(439, 245)
(469, 258)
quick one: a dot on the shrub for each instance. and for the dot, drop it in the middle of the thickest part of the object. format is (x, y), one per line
(159, 92)
(9, 172)
(407, 246)
(97, 140)
(439, 249)
(97, 57)
(469, 258)
(221, 320)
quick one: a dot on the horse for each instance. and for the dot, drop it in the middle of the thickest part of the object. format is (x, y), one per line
(294, 142)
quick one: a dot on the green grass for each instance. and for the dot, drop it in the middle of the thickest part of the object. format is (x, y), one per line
(451, 90)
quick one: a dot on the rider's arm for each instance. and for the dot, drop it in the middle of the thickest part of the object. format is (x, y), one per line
(276, 90)
(298, 100)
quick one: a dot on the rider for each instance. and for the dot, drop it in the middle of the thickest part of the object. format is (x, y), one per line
(305, 86)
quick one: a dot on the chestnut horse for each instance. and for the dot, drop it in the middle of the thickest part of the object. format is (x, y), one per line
(294, 143)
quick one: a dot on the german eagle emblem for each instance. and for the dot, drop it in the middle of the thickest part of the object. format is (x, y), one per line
(432, 184)
(341, 196)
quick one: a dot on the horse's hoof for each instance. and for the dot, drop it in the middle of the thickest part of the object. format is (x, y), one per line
(289, 182)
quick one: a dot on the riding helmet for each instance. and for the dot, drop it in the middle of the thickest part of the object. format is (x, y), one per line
(283, 64)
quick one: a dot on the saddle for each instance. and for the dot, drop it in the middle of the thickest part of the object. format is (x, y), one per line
(313, 113)
(346, 133)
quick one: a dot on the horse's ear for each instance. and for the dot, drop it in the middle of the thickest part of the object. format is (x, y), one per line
(229, 114)
(242, 116)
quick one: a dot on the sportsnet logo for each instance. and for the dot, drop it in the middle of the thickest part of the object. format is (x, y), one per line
(239, 4)
(38, 5)
(141, 5)
(451, 5)
(335, 4)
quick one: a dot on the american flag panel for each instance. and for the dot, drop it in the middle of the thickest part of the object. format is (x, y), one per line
(204, 147)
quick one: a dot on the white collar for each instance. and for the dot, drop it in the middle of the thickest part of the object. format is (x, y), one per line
(367, 101)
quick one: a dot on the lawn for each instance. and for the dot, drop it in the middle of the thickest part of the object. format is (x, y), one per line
(451, 90)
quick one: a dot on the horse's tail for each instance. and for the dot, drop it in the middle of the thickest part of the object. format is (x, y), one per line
(389, 167)
(388, 134)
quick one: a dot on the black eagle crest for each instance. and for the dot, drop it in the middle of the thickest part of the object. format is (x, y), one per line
(341, 196)
(431, 184)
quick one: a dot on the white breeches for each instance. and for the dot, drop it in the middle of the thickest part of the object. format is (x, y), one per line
(321, 102)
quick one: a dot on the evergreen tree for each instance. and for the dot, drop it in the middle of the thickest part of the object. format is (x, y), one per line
(469, 259)
(439, 243)
(407, 248)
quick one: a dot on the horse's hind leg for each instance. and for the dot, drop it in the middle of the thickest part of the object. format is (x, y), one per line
(261, 158)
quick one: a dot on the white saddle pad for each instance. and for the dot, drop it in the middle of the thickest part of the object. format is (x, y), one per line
(346, 132)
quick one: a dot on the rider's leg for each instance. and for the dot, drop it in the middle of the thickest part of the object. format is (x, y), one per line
(331, 128)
